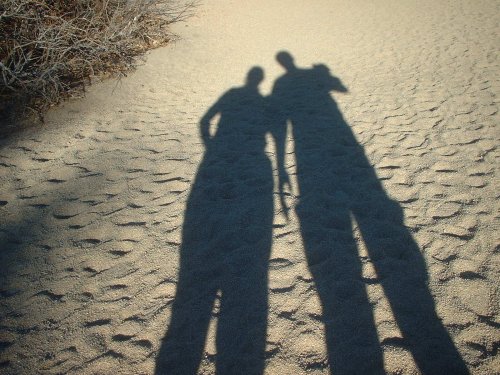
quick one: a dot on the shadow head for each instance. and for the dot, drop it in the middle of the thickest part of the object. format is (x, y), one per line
(255, 76)
(285, 59)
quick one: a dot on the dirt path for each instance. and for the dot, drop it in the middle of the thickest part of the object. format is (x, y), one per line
(115, 208)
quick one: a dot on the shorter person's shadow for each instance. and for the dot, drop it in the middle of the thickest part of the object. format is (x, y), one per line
(226, 242)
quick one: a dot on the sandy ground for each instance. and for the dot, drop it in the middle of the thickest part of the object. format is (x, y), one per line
(133, 245)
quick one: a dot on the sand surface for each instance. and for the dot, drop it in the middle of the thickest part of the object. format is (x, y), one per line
(134, 241)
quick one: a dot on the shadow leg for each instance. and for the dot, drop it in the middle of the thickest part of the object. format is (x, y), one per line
(402, 271)
(332, 256)
(241, 333)
(183, 344)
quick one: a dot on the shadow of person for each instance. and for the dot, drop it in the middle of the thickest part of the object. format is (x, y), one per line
(338, 186)
(226, 242)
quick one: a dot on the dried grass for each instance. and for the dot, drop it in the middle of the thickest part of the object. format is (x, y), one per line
(50, 49)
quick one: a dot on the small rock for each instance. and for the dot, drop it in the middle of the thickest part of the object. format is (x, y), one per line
(413, 141)
(475, 295)
(81, 220)
(404, 195)
(450, 179)
(69, 210)
(469, 222)
(164, 290)
(441, 166)
(461, 198)
(389, 164)
(313, 307)
(479, 170)
(62, 174)
(401, 178)
(444, 210)
(463, 138)
(310, 350)
(282, 283)
(479, 336)
(477, 182)
(447, 151)
(457, 231)
(453, 315)
(443, 253)
(385, 174)
(467, 269)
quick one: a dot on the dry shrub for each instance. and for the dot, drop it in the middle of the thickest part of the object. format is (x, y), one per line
(49, 49)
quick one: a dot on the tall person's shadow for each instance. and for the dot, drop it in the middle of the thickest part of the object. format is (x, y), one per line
(226, 242)
(338, 185)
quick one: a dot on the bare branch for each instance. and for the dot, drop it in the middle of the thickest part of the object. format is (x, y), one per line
(50, 48)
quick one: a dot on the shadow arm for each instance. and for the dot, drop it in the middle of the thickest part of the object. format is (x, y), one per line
(279, 133)
(205, 122)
